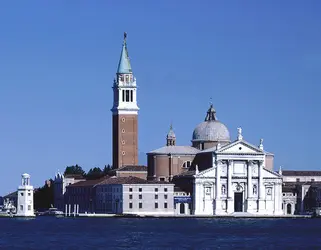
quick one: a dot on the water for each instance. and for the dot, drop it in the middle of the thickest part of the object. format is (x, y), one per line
(149, 233)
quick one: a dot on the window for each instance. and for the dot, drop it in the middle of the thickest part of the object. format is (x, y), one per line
(165, 205)
(123, 95)
(140, 205)
(312, 180)
(127, 95)
(130, 196)
(187, 164)
(162, 179)
(21, 194)
(297, 179)
(202, 146)
(165, 196)
(29, 194)
(130, 205)
(131, 95)
(130, 190)
(127, 78)
(29, 207)
(140, 189)
(156, 205)
(140, 196)
(165, 189)
(156, 189)
(156, 196)
(21, 207)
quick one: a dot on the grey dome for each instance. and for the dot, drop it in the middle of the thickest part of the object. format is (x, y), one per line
(211, 129)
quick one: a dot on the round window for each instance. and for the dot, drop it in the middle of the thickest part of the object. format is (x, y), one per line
(123, 119)
(123, 142)
(123, 130)
(123, 153)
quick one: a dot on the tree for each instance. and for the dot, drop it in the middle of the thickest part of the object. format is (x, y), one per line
(107, 169)
(75, 169)
(44, 196)
(94, 173)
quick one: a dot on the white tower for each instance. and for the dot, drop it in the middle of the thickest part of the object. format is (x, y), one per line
(25, 197)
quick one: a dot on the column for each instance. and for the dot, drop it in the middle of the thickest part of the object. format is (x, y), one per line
(154, 157)
(249, 179)
(218, 181)
(229, 179)
(261, 202)
(261, 186)
(218, 206)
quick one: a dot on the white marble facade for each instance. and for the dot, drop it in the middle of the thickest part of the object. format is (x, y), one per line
(237, 182)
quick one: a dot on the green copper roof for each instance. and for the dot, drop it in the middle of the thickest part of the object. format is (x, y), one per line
(124, 63)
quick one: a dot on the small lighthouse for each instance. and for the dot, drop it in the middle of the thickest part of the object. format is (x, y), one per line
(25, 197)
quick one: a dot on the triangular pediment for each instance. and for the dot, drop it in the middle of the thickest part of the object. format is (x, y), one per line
(210, 172)
(240, 147)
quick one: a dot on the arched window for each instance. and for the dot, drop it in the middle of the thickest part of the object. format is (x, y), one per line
(187, 164)
(223, 189)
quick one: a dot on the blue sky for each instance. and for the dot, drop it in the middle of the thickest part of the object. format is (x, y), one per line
(259, 61)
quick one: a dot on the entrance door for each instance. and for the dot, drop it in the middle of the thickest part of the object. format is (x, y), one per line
(238, 202)
(289, 209)
(182, 208)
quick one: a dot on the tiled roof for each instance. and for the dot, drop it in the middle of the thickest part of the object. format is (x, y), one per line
(88, 183)
(300, 173)
(187, 173)
(129, 180)
(176, 150)
(75, 176)
(134, 168)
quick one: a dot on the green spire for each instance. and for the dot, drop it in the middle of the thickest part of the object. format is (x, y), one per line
(124, 63)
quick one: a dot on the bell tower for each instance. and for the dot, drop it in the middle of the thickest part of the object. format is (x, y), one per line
(125, 112)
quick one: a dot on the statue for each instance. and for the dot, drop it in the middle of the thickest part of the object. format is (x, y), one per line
(239, 136)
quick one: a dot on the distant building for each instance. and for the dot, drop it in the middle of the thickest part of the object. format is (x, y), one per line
(82, 193)
(61, 182)
(132, 195)
(301, 191)
(25, 197)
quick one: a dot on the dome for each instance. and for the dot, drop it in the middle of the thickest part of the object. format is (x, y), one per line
(211, 129)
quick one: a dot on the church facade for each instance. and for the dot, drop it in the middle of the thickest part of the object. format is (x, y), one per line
(237, 182)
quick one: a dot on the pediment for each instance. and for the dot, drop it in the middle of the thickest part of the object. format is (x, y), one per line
(270, 174)
(240, 147)
(209, 173)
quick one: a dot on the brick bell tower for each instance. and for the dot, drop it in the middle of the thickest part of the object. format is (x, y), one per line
(125, 111)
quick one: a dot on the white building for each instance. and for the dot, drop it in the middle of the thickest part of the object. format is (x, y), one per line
(25, 197)
(237, 182)
(132, 195)
(61, 182)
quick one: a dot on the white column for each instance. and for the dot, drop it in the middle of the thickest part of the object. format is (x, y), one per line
(249, 179)
(229, 178)
(66, 210)
(69, 209)
(218, 181)
(261, 186)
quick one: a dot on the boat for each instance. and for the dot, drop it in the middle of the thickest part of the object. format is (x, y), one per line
(7, 209)
(52, 212)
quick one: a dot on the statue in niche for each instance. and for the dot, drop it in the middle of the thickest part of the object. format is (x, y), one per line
(254, 189)
(223, 189)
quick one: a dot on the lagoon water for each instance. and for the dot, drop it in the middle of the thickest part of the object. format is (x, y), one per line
(162, 233)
